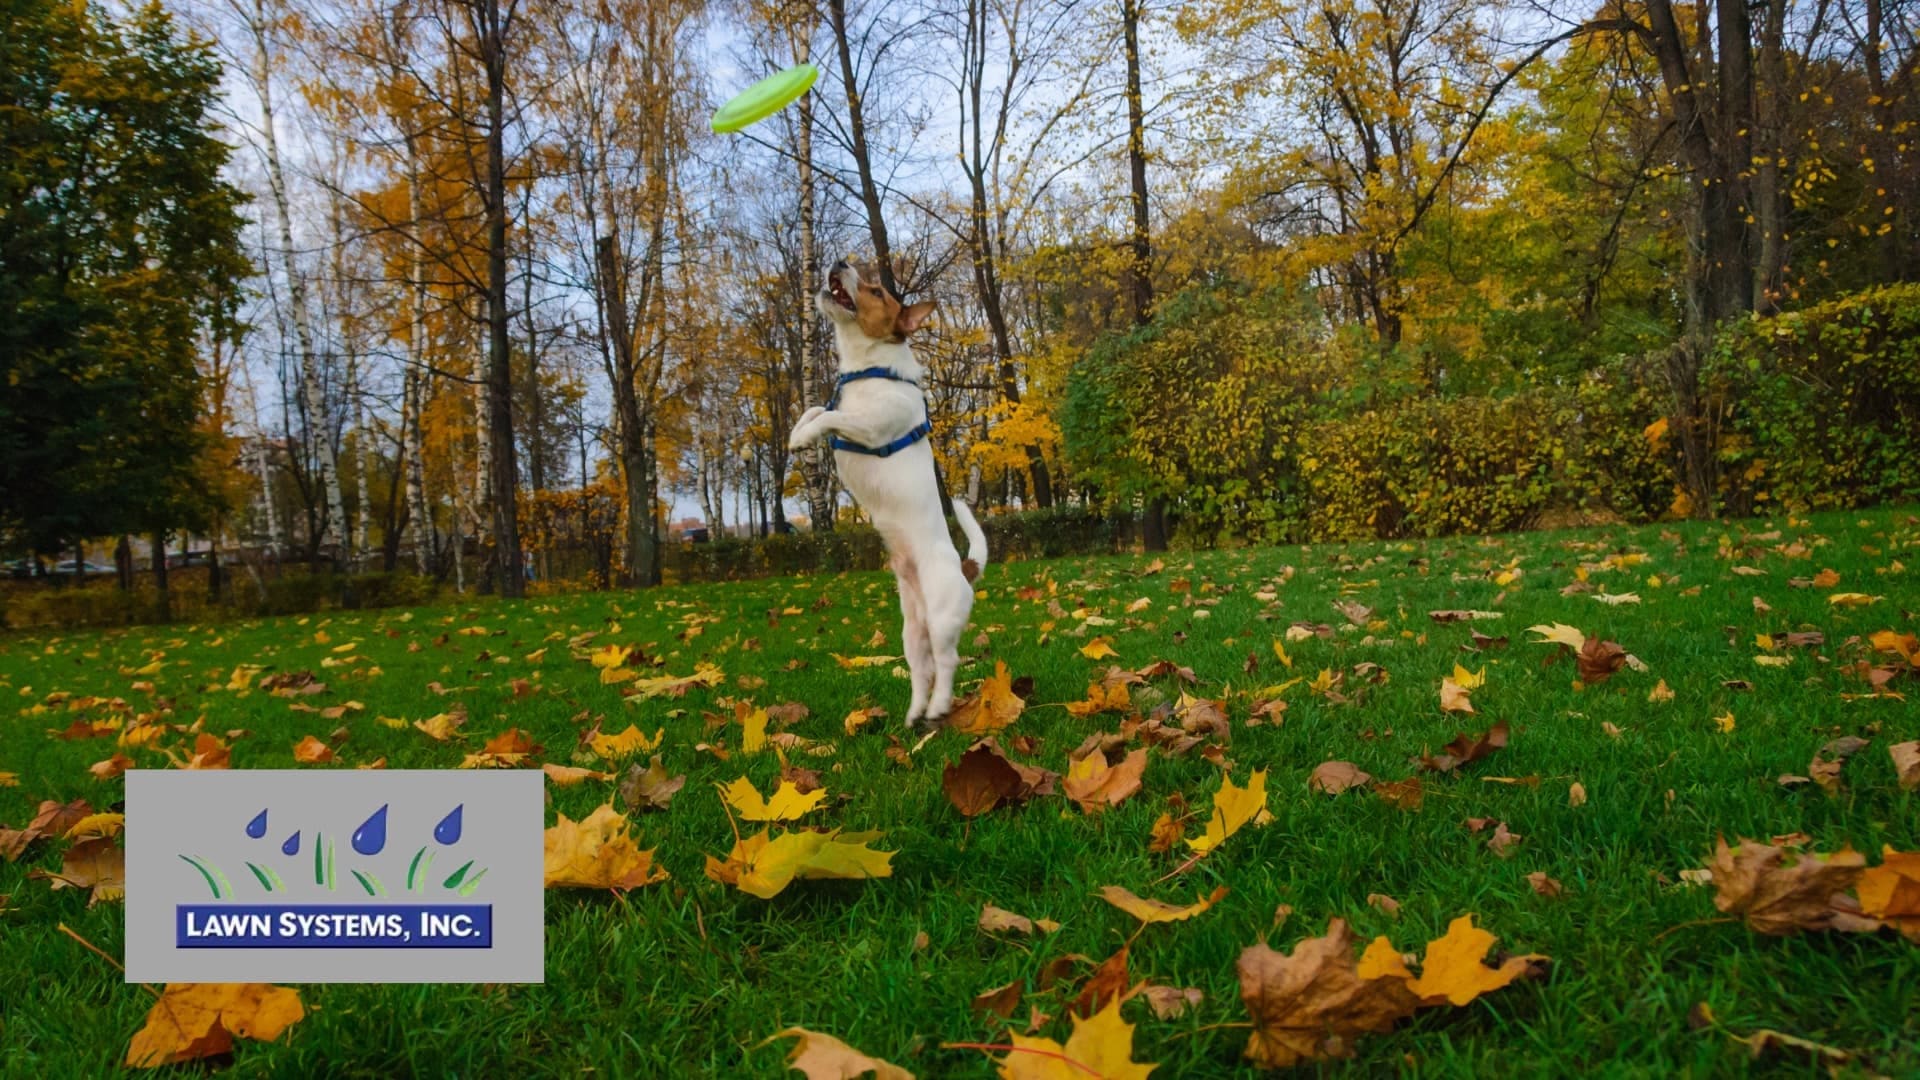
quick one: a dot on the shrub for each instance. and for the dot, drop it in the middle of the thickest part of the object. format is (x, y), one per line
(1821, 407)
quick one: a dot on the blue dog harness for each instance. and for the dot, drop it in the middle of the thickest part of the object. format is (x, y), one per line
(924, 429)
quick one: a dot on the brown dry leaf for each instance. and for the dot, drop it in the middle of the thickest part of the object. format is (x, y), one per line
(208, 753)
(1156, 911)
(985, 777)
(98, 864)
(1170, 1003)
(1334, 777)
(1000, 1001)
(1466, 749)
(1659, 693)
(1453, 697)
(1096, 785)
(1108, 984)
(1102, 697)
(1757, 882)
(859, 717)
(1405, 794)
(1545, 886)
(1383, 903)
(1576, 794)
(1502, 842)
(650, 788)
(198, 1020)
(1906, 763)
(1598, 660)
(311, 751)
(597, 853)
(989, 709)
(1891, 891)
(568, 775)
(823, 1057)
(1309, 1005)
(1167, 831)
(1825, 773)
(111, 767)
(507, 750)
(996, 920)
(1101, 1046)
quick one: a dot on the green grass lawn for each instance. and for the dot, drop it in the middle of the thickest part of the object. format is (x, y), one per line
(687, 977)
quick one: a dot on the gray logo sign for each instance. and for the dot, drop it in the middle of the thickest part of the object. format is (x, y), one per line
(296, 876)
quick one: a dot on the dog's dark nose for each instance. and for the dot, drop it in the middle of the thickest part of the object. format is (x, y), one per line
(839, 265)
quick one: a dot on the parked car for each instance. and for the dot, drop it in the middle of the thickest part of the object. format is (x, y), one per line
(181, 560)
(69, 567)
(695, 536)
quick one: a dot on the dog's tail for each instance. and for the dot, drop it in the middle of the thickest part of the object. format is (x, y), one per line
(976, 541)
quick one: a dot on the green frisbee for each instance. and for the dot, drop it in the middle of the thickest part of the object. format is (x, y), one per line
(764, 98)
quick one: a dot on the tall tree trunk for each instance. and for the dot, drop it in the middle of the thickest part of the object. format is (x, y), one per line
(123, 563)
(416, 385)
(364, 514)
(268, 509)
(863, 161)
(630, 426)
(816, 369)
(162, 598)
(319, 448)
(1769, 200)
(503, 475)
(1140, 265)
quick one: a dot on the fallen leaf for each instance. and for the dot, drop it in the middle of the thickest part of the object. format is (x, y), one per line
(1453, 970)
(111, 767)
(787, 804)
(99, 865)
(626, 744)
(191, 1021)
(1106, 985)
(764, 867)
(441, 726)
(1406, 794)
(823, 1057)
(989, 709)
(568, 775)
(1334, 777)
(984, 778)
(1100, 1046)
(1157, 911)
(1000, 1001)
(1891, 891)
(1466, 749)
(1776, 896)
(1310, 1004)
(1576, 794)
(597, 853)
(1906, 763)
(1561, 633)
(1502, 842)
(649, 789)
(1385, 904)
(1659, 693)
(1598, 660)
(1095, 785)
(1170, 1003)
(1233, 807)
(1545, 885)
(995, 920)
(1098, 649)
(1453, 697)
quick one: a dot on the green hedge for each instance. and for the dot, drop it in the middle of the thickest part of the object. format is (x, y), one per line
(1820, 408)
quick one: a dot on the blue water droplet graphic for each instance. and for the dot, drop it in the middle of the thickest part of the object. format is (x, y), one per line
(448, 831)
(292, 846)
(257, 828)
(371, 836)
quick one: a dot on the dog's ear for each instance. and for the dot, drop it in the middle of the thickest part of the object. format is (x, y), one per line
(913, 316)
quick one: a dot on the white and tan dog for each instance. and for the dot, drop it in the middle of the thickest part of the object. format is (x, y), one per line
(877, 421)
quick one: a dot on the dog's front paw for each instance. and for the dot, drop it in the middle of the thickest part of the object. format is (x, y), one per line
(809, 415)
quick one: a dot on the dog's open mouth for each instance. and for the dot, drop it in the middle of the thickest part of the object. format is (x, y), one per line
(839, 293)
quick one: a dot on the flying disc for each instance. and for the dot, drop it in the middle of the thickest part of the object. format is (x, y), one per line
(764, 98)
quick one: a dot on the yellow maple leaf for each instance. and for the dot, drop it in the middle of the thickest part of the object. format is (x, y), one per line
(753, 732)
(1660, 692)
(199, 1020)
(851, 662)
(1452, 971)
(1101, 1045)
(677, 685)
(439, 727)
(243, 676)
(992, 708)
(1153, 911)
(1724, 722)
(612, 656)
(569, 775)
(1280, 654)
(1098, 649)
(763, 867)
(787, 803)
(1853, 599)
(1233, 807)
(627, 743)
(596, 853)
(1469, 680)
(1560, 632)
(92, 825)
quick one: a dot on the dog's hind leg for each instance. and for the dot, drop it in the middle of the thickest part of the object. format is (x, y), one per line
(949, 602)
(913, 637)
